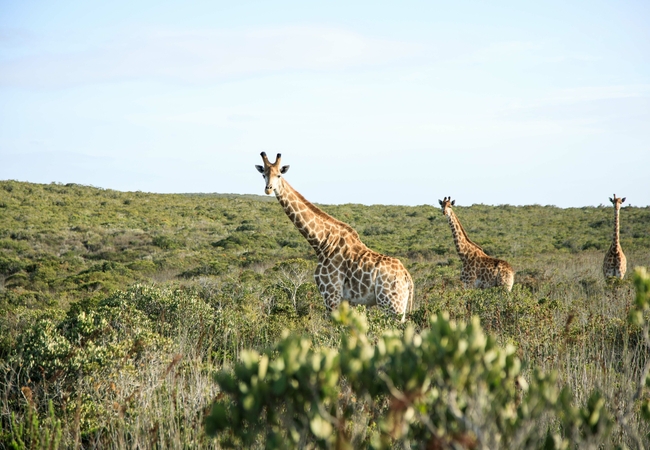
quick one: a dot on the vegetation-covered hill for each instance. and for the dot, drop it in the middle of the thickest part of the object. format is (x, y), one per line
(103, 294)
(65, 242)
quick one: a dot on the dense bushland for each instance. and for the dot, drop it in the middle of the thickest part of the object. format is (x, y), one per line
(116, 308)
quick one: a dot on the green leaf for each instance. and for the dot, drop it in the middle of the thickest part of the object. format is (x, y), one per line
(320, 427)
(217, 420)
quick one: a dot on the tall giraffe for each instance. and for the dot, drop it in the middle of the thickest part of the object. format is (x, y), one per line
(615, 264)
(347, 270)
(479, 270)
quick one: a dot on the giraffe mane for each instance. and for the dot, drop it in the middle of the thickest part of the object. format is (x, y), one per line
(462, 228)
(319, 212)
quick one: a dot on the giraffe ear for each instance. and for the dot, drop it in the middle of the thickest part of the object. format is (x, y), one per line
(284, 169)
(623, 199)
(440, 201)
(260, 169)
(453, 202)
(610, 199)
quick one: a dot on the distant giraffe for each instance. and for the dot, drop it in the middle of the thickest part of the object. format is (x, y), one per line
(479, 270)
(615, 264)
(347, 270)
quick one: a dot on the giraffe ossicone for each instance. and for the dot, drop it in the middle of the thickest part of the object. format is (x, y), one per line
(615, 264)
(347, 270)
(479, 269)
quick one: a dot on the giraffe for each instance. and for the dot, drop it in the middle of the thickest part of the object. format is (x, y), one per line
(347, 270)
(479, 270)
(615, 263)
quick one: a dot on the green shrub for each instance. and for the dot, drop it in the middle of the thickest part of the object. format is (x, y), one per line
(171, 311)
(165, 242)
(449, 386)
(93, 336)
(244, 240)
(217, 267)
(144, 266)
(42, 350)
(9, 266)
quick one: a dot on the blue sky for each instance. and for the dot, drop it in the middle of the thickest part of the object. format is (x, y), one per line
(369, 102)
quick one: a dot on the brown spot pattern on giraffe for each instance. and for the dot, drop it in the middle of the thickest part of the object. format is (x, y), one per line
(615, 263)
(479, 269)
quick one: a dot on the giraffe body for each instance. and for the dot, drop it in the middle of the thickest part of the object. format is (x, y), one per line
(347, 270)
(615, 263)
(479, 269)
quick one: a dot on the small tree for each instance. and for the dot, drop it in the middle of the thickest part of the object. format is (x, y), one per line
(291, 276)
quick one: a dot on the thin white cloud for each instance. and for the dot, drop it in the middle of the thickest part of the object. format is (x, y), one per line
(572, 96)
(591, 93)
(530, 52)
(203, 57)
(499, 51)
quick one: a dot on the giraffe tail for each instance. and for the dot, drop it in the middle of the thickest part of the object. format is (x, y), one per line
(411, 294)
(409, 301)
(509, 279)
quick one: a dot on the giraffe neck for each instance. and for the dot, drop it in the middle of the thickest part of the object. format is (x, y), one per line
(322, 231)
(615, 239)
(464, 246)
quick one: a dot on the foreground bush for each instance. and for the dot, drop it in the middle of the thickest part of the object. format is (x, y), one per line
(450, 386)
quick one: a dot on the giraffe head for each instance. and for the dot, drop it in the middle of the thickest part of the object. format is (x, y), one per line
(446, 205)
(617, 201)
(272, 173)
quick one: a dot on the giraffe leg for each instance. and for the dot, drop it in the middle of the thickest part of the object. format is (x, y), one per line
(332, 300)
(469, 282)
(331, 296)
(466, 278)
(330, 285)
(392, 296)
